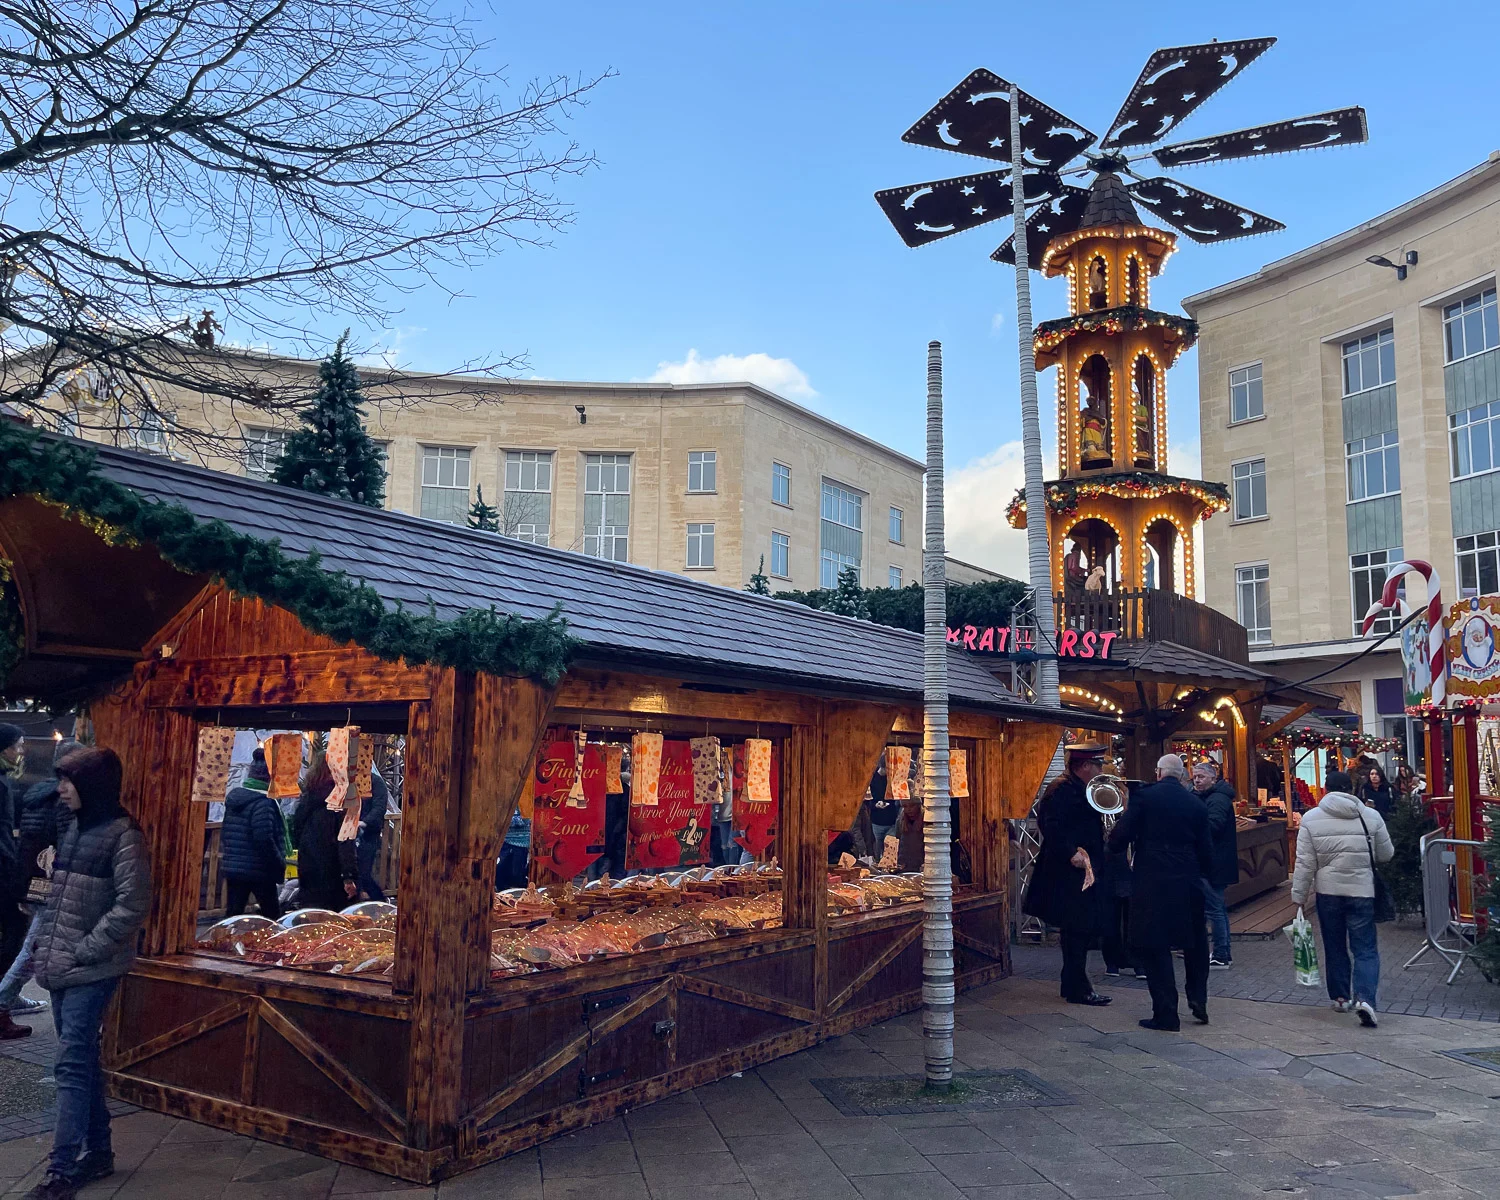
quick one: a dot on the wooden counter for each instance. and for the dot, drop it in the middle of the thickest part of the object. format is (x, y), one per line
(1263, 860)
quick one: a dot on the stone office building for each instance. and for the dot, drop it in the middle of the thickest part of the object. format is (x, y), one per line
(699, 479)
(1350, 394)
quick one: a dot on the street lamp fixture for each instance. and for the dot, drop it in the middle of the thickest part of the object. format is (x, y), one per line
(1381, 260)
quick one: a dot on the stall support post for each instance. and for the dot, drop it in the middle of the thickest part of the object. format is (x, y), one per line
(803, 848)
(437, 925)
(159, 762)
(1465, 804)
(1437, 780)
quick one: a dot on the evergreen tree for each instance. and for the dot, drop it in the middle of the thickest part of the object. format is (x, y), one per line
(759, 585)
(484, 516)
(849, 598)
(1487, 950)
(332, 454)
(1403, 873)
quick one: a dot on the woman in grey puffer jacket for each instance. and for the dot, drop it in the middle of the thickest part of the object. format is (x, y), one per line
(98, 900)
(1333, 860)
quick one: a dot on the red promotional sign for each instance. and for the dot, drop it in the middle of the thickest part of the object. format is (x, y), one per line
(673, 832)
(565, 839)
(755, 824)
(1000, 639)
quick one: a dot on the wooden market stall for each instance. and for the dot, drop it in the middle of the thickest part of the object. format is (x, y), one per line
(174, 600)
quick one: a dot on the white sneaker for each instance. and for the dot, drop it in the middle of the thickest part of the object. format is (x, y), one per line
(1366, 1014)
(1341, 1006)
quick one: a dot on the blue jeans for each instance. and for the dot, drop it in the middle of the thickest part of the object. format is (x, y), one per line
(1218, 920)
(82, 1118)
(20, 971)
(1348, 925)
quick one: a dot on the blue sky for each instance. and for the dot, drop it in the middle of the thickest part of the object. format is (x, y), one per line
(731, 215)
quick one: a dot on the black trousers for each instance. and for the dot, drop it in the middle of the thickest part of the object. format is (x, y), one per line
(1117, 952)
(262, 886)
(1075, 953)
(1161, 978)
(13, 926)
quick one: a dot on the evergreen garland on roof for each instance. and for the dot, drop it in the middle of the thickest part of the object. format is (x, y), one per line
(325, 601)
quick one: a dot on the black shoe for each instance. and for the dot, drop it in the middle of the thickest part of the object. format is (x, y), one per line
(1220, 964)
(1200, 1013)
(1094, 999)
(54, 1187)
(1152, 1023)
(95, 1164)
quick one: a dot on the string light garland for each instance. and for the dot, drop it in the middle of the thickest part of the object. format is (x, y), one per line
(1064, 495)
(1128, 318)
(1094, 698)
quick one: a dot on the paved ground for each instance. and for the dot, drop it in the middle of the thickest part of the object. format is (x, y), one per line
(1270, 1099)
(1263, 971)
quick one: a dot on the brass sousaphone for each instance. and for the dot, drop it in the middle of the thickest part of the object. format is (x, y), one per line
(1107, 796)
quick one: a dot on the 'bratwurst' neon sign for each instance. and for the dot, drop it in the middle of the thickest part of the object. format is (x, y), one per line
(1003, 639)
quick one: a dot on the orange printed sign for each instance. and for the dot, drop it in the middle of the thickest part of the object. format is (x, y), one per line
(754, 821)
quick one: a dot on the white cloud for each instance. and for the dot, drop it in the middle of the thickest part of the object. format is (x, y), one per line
(779, 375)
(997, 323)
(1185, 460)
(976, 495)
(385, 350)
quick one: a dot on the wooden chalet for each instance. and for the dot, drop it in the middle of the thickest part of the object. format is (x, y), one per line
(443, 1067)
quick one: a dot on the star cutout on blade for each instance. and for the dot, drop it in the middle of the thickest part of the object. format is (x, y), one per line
(1043, 227)
(1025, 118)
(997, 143)
(1186, 96)
(1147, 101)
(968, 191)
(979, 210)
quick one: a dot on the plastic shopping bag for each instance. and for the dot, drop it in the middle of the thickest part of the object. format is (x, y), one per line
(1304, 950)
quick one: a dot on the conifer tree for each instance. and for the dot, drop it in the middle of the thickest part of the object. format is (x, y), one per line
(332, 454)
(484, 516)
(849, 598)
(759, 585)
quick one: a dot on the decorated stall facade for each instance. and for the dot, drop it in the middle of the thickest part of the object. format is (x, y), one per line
(237, 605)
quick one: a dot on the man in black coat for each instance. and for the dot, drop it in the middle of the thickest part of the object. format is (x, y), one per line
(1066, 888)
(1223, 836)
(1168, 827)
(252, 843)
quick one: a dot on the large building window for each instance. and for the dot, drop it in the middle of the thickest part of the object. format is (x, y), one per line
(1369, 362)
(700, 544)
(703, 470)
(843, 539)
(526, 509)
(1474, 440)
(263, 450)
(1252, 586)
(1246, 400)
(606, 506)
(1478, 564)
(781, 484)
(445, 484)
(1373, 466)
(1471, 326)
(781, 555)
(898, 525)
(894, 577)
(1367, 576)
(1249, 487)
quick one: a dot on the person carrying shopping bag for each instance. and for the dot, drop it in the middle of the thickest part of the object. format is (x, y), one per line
(1338, 846)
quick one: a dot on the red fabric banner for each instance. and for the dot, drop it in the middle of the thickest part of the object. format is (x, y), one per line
(755, 824)
(674, 831)
(565, 839)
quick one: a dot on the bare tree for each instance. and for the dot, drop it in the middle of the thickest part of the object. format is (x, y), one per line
(175, 168)
(524, 510)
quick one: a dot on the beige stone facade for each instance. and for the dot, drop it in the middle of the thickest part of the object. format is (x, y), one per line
(711, 473)
(1320, 375)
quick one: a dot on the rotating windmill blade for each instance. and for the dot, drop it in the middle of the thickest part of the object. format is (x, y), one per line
(1341, 127)
(1202, 217)
(924, 212)
(974, 118)
(1173, 83)
(1061, 214)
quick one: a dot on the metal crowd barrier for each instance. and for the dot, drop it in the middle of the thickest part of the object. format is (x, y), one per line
(1447, 934)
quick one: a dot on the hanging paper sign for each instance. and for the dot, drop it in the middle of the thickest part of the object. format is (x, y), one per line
(706, 766)
(364, 769)
(211, 773)
(645, 767)
(284, 765)
(674, 831)
(575, 790)
(958, 773)
(755, 820)
(614, 761)
(567, 838)
(758, 769)
(1474, 647)
(342, 757)
(898, 772)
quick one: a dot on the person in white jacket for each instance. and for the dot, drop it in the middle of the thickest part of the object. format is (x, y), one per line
(1334, 848)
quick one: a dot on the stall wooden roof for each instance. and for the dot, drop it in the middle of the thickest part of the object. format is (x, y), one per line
(622, 615)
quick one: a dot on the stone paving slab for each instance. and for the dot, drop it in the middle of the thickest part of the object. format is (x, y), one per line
(1270, 1099)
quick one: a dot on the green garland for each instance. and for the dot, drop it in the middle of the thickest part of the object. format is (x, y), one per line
(327, 602)
(1050, 334)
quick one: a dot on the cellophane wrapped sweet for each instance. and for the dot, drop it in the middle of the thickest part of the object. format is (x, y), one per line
(237, 935)
(314, 916)
(293, 947)
(344, 951)
(371, 914)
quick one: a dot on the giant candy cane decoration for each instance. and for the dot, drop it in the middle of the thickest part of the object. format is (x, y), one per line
(1437, 634)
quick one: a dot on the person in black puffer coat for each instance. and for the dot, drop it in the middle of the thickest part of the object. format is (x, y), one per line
(1218, 797)
(252, 843)
(40, 815)
(13, 875)
(327, 869)
(96, 905)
